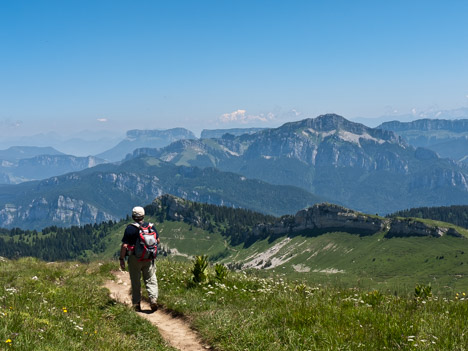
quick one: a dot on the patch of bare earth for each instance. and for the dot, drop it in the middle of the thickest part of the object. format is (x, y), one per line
(174, 330)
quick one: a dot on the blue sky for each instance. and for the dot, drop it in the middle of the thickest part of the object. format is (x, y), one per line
(72, 65)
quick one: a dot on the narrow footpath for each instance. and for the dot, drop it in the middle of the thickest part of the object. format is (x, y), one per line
(174, 330)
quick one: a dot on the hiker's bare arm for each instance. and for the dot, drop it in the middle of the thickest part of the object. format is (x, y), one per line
(123, 252)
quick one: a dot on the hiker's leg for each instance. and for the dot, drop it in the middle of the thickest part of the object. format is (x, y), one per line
(134, 268)
(151, 282)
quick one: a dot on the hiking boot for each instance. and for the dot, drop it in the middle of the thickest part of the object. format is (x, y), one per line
(154, 306)
(137, 307)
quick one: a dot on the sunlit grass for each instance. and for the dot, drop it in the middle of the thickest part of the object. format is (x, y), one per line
(275, 314)
(62, 306)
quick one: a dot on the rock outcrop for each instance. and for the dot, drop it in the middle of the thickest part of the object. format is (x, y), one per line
(325, 217)
(410, 227)
(320, 218)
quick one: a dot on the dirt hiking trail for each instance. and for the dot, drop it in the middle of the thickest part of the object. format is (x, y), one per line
(174, 330)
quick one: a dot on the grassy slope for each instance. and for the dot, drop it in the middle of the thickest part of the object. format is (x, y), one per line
(61, 306)
(272, 314)
(395, 264)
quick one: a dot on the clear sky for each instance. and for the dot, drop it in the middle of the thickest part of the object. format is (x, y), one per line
(69, 65)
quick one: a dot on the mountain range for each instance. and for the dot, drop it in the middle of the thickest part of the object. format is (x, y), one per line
(449, 138)
(80, 143)
(367, 169)
(295, 165)
(24, 163)
(108, 191)
(144, 138)
(218, 133)
(16, 153)
(433, 113)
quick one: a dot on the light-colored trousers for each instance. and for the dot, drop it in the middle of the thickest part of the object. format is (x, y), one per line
(136, 268)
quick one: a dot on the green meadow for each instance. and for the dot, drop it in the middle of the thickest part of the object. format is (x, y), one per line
(62, 306)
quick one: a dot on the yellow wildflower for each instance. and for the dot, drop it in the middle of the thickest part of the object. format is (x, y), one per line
(64, 309)
(8, 341)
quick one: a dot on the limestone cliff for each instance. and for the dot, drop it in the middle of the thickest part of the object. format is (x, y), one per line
(315, 220)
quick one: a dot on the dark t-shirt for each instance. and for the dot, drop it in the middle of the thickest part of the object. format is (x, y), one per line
(130, 235)
(132, 232)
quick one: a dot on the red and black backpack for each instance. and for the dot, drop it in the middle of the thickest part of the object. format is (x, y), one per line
(146, 246)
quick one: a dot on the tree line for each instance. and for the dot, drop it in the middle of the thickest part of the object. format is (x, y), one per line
(456, 214)
(72, 243)
(233, 223)
(55, 243)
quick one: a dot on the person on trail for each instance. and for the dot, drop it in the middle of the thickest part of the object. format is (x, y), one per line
(139, 263)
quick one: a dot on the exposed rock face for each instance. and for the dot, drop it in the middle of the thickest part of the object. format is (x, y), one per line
(176, 209)
(315, 220)
(409, 227)
(68, 210)
(448, 138)
(326, 217)
(63, 211)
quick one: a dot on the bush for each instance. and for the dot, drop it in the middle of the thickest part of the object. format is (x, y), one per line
(221, 272)
(423, 292)
(200, 264)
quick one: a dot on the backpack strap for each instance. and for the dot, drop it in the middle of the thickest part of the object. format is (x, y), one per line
(151, 228)
(131, 248)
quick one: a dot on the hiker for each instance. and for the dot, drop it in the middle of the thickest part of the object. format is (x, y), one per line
(138, 263)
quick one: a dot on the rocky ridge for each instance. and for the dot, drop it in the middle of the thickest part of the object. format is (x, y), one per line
(448, 138)
(319, 218)
(426, 124)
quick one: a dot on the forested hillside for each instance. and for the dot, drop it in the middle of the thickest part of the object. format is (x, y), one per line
(452, 214)
(55, 243)
(104, 192)
(84, 242)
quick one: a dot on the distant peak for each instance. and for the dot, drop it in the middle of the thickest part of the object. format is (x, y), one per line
(328, 122)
